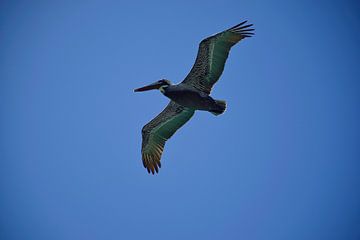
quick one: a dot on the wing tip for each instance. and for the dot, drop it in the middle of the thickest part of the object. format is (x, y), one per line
(244, 30)
(238, 25)
(152, 163)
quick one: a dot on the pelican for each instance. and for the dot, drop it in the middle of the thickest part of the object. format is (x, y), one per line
(193, 93)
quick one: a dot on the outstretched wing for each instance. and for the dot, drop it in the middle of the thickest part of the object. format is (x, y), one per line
(212, 54)
(157, 131)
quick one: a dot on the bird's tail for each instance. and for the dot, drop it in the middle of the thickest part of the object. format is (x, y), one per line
(220, 107)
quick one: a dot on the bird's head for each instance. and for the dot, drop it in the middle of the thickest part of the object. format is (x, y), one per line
(156, 85)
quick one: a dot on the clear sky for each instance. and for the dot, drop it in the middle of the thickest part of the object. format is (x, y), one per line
(281, 163)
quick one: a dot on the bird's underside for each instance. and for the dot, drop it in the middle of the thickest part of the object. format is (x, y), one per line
(191, 98)
(208, 67)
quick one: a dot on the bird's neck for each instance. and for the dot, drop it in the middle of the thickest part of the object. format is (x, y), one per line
(163, 88)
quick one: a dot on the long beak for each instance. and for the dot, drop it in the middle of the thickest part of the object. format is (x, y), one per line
(152, 86)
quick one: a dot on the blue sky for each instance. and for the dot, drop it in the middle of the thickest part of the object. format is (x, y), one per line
(281, 163)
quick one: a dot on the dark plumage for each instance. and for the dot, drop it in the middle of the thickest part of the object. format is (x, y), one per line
(191, 94)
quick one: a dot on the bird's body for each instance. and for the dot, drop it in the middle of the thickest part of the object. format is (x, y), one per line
(190, 97)
(192, 94)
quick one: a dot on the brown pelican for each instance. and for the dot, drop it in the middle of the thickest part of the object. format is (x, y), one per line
(191, 94)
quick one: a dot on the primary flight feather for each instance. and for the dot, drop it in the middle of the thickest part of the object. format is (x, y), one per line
(191, 94)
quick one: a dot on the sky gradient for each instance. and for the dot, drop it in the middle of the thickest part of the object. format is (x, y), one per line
(281, 163)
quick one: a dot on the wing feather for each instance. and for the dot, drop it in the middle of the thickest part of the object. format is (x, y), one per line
(159, 130)
(212, 54)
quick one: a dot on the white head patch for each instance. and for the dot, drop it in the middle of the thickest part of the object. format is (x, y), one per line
(162, 89)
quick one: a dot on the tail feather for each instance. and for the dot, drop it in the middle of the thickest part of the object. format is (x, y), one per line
(220, 107)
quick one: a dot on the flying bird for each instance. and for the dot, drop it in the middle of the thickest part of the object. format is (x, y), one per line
(193, 93)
